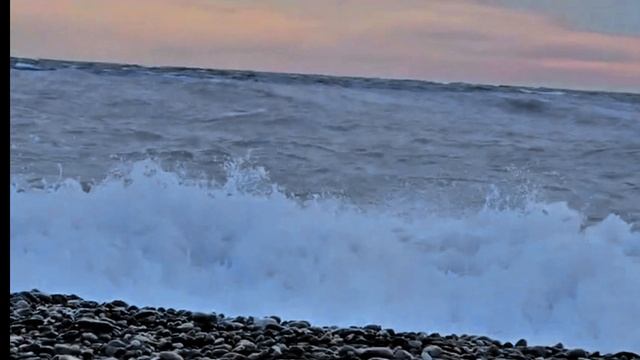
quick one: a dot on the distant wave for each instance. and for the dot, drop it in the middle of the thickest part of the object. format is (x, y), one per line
(244, 247)
(541, 92)
(526, 105)
(248, 75)
(26, 66)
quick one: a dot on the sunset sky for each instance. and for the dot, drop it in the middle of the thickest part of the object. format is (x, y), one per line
(585, 44)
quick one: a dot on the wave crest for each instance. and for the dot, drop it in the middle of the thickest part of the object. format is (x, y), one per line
(150, 237)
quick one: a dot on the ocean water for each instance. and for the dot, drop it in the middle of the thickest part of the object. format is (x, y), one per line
(502, 211)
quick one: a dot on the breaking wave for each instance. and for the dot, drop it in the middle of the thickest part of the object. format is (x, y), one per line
(150, 237)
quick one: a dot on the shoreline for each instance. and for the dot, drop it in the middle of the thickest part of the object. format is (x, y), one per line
(67, 327)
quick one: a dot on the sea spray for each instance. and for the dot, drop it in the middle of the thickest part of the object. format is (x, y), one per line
(154, 238)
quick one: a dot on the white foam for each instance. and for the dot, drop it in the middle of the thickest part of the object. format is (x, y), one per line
(25, 66)
(152, 239)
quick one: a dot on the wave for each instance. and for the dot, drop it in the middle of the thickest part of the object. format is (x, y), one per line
(527, 106)
(151, 237)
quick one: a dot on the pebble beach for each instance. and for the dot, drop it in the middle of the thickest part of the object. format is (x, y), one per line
(67, 327)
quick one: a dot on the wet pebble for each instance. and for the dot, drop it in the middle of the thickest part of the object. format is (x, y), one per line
(66, 327)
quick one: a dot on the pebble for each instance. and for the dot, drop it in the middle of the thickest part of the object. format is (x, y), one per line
(347, 350)
(373, 327)
(263, 323)
(115, 351)
(401, 354)
(169, 355)
(93, 325)
(245, 346)
(186, 327)
(145, 313)
(63, 349)
(203, 319)
(21, 304)
(381, 352)
(299, 324)
(432, 350)
(34, 321)
(91, 337)
(537, 351)
(576, 353)
(117, 343)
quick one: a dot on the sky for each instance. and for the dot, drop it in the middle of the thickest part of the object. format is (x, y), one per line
(579, 44)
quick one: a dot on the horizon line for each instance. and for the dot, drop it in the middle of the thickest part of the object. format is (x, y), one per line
(436, 82)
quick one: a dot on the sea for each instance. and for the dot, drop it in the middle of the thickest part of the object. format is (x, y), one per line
(505, 211)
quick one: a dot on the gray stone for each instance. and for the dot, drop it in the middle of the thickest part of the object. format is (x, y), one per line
(373, 327)
(401, 354)
(344, 332)
(628, 354)
(299, 324)
(65, 357)
(244, 347)
(119, 304)
(576, 353)
(35, 320)
(117, 343)
(276, 351)
(44, 349)
(33, 347)
(296, 350)
(169, 355)
(347, 350)
(21, 304)
(95, 326)
(258, 355)
(381, 352)
(145, 313)
(521, 343)
(134, 344)
(203, 318)
(185, 327)
(537, 351)
(233, 356)
(216, 353)
(91, 337)
(226, 347)
(265, 322)
(231, 325)
(63, 349)
(432, 350)
(142, 338)
(116, 351)
(13, 339)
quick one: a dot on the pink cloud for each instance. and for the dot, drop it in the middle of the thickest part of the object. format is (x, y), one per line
(435, 40)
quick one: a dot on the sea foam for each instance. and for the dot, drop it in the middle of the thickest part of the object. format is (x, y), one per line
(154, 238)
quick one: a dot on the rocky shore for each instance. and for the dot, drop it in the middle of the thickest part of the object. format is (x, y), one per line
(66, 327)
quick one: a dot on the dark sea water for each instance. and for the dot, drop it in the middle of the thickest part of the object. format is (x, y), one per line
(505, 211)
